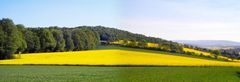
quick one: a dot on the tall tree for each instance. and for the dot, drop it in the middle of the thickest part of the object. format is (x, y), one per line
(68, 40)
(8, 38)
(32, 40)
(22, 45)
(79, 39)
(58, 36)
(92, 39)
(47, 40)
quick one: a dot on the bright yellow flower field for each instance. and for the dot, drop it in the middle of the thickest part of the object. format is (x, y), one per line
(197, 52)
(114, 57)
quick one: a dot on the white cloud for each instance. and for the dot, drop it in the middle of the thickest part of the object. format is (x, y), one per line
(184, 30)
(177, 19)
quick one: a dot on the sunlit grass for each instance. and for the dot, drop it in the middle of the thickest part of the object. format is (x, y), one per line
(117, 74)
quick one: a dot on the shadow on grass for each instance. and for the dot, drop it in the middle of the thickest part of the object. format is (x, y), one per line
(238, 73)
(121, 65)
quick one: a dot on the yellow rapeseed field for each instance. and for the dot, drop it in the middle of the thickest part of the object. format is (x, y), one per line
(114, 57)
(197, 52)
(152, 45)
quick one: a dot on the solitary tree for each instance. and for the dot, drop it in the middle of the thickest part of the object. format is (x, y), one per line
(216, 53)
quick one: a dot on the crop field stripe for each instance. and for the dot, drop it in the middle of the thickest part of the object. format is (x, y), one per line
(113, 57)
(118, 74)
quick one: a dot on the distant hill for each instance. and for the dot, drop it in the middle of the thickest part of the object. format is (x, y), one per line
(211, 43)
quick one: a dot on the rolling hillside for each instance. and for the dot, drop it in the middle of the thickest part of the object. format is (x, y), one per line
(53, 41)
(115, 56)
(219, 44)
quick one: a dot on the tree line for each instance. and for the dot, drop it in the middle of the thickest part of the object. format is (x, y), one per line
(231, 53)
(136, 40)
(18, 39)
(145, 45)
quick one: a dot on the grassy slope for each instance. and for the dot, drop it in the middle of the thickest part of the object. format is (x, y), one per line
(118, 74)
(116, 56)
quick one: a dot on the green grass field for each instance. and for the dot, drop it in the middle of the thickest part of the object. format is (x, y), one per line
(118, 74)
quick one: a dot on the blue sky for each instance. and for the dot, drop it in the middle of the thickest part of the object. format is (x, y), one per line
(168, 19)
(61, 12)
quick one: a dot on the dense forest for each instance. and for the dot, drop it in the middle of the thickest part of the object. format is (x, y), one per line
(136, 40)
(19, 39)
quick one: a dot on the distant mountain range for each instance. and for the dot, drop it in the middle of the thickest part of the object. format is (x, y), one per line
(211, 43)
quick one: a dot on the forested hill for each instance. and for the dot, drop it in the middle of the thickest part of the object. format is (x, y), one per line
(19, 39)
(113, 34)
(135, 40)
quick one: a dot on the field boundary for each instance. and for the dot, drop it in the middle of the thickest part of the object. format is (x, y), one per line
(85, 65)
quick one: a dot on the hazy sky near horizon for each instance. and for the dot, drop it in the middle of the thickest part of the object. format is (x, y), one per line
(168, 19)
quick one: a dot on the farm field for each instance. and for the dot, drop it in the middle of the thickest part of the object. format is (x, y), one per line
(118, 74)
(189, 50)
(114, 56)
(207, 54)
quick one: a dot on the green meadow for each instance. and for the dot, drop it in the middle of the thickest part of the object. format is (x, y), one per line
(118, 74)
